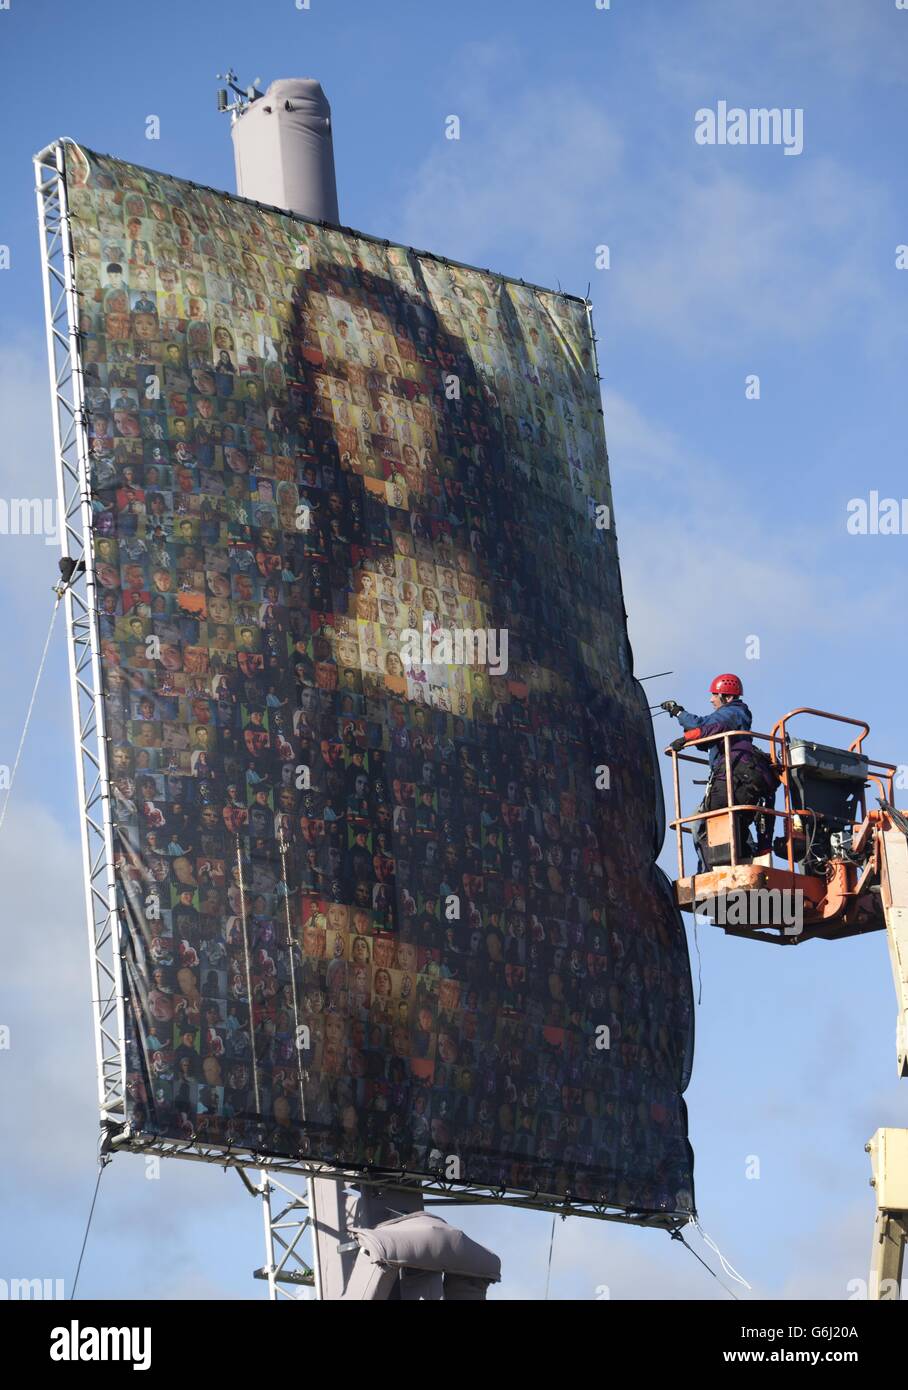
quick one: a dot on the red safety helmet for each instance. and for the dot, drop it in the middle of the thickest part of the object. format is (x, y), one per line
(726, 684)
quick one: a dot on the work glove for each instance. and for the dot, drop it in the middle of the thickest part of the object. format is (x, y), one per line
(670, 707)
(678, 744)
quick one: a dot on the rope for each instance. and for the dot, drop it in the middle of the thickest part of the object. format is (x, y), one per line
(103, 1164)
(727, 1268)
(31, 705)
(255, 1068)
(699, 963)
(548, 1273)
(291, 951)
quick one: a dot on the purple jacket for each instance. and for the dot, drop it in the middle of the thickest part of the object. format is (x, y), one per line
(734, 715)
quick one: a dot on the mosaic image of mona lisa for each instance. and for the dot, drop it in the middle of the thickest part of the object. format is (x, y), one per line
(382, 907)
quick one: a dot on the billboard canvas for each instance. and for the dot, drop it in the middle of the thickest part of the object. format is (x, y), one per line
(382, 782)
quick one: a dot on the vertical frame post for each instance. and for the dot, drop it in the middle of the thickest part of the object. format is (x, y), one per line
(287, 1273)
(70, 440)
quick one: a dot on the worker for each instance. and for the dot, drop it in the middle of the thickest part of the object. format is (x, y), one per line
(753, 781)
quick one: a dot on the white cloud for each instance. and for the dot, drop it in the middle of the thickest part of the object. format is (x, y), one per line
(643, 447)
(516, 177)
(707, 250)
(732, 258)
(49, 1071)
(768, 54)
(835, 37)
(828, 1256)
(702, 559)
(28, 563)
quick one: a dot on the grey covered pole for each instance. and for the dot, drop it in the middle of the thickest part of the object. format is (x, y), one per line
(284, 150)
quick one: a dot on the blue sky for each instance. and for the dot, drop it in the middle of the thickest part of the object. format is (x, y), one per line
(576, 130)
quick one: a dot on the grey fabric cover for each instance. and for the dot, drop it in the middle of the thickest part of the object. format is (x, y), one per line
(421, 1286)
(286, 158)
(370, 1205)
(425, 1241)
(462, 1289)
(369, 1281)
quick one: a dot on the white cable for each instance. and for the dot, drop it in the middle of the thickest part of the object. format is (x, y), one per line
(255, 1074)
(31, 705)
(729, 1269)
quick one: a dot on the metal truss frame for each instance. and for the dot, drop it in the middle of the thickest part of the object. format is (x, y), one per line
(70, 439)
(287, 1216)
(440, 1191)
